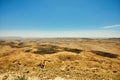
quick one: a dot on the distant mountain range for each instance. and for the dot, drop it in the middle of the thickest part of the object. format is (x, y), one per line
(10, 38)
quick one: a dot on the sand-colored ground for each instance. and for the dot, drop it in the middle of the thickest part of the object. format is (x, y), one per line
(60, 59)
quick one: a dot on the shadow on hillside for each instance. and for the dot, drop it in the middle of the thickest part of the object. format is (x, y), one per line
(73, 50)
(50, 49)
(105, 54)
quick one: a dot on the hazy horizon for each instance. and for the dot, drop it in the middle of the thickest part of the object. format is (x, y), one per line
(73, 34)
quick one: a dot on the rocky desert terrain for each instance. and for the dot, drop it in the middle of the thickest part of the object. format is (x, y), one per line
(60, 59)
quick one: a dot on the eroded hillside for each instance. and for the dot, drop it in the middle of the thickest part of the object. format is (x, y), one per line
(60, 59)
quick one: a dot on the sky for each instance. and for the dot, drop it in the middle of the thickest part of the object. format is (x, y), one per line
(60, 18)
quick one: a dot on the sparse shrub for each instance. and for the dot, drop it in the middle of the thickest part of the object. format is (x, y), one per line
(21, 78)
(41, 65)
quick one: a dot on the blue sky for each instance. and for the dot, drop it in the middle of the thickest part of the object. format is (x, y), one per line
(59, 16)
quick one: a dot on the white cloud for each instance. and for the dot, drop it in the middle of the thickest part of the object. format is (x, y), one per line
(50, 34)
(112, 26)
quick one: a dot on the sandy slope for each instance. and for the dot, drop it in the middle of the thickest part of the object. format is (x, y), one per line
(60, 59)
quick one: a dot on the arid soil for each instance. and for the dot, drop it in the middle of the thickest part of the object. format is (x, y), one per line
(60, 59)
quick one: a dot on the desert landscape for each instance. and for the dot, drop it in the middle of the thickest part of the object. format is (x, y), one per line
(59, 39)
(60, 59)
